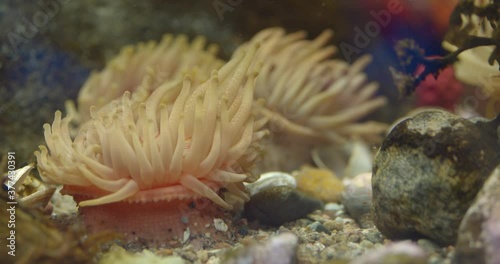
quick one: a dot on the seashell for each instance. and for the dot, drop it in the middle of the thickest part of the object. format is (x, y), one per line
(16, 178)
(271, 179)
(29, 190)
(39, 199)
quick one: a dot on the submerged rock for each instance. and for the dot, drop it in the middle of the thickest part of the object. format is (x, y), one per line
(428, 171)
(479, 234)
(277, 205)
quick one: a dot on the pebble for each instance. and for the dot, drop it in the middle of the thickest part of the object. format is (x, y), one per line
(333, 225)
(117, 254)
(372, 235)
(271, 179)
(213, 260)
(321, 184)
(202, 256)
(333, 207)
(427, 173)
(357, 199)
(279, 249)
(479, 234)
(366, 244)
(404, 252)
(186, 235)
(220, 225)
(318, 227)
(427, 245)
(277, 205)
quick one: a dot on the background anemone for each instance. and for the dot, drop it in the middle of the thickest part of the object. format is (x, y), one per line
(167, 60)
(308, 98)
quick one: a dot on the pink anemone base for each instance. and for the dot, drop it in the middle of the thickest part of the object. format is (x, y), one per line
(150, 223)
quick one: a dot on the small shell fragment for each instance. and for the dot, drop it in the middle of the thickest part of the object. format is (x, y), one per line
(16, 178)
(271, 179)
(220, 225)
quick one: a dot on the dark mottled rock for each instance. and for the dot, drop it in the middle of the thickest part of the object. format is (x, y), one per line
(277, 205)
(479, 233)
(427, 173)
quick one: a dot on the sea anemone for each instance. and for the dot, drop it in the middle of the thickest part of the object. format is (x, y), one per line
(310, 94)
(179, 142)
(167, 60)
(309, 98)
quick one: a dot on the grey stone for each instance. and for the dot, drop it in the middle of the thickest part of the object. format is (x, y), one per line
(427, 173)
(318, 227)
(479, 234)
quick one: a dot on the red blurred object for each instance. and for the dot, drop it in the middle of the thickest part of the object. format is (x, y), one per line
(445, 91)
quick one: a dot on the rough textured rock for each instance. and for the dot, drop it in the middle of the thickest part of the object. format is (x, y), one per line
(277, 205)
(479, 234)
(428, 171)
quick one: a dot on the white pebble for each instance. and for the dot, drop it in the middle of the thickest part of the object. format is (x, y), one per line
(333, 207)
(271, 179)
(187, 234)
(220, 225)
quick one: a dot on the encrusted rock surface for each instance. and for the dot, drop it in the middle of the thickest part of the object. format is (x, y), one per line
(427, 173)
(479, 234)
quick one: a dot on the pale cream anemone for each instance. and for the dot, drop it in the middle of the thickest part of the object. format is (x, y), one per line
(167, 60)
(310, 94)
(180, 141)
(310, 99)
